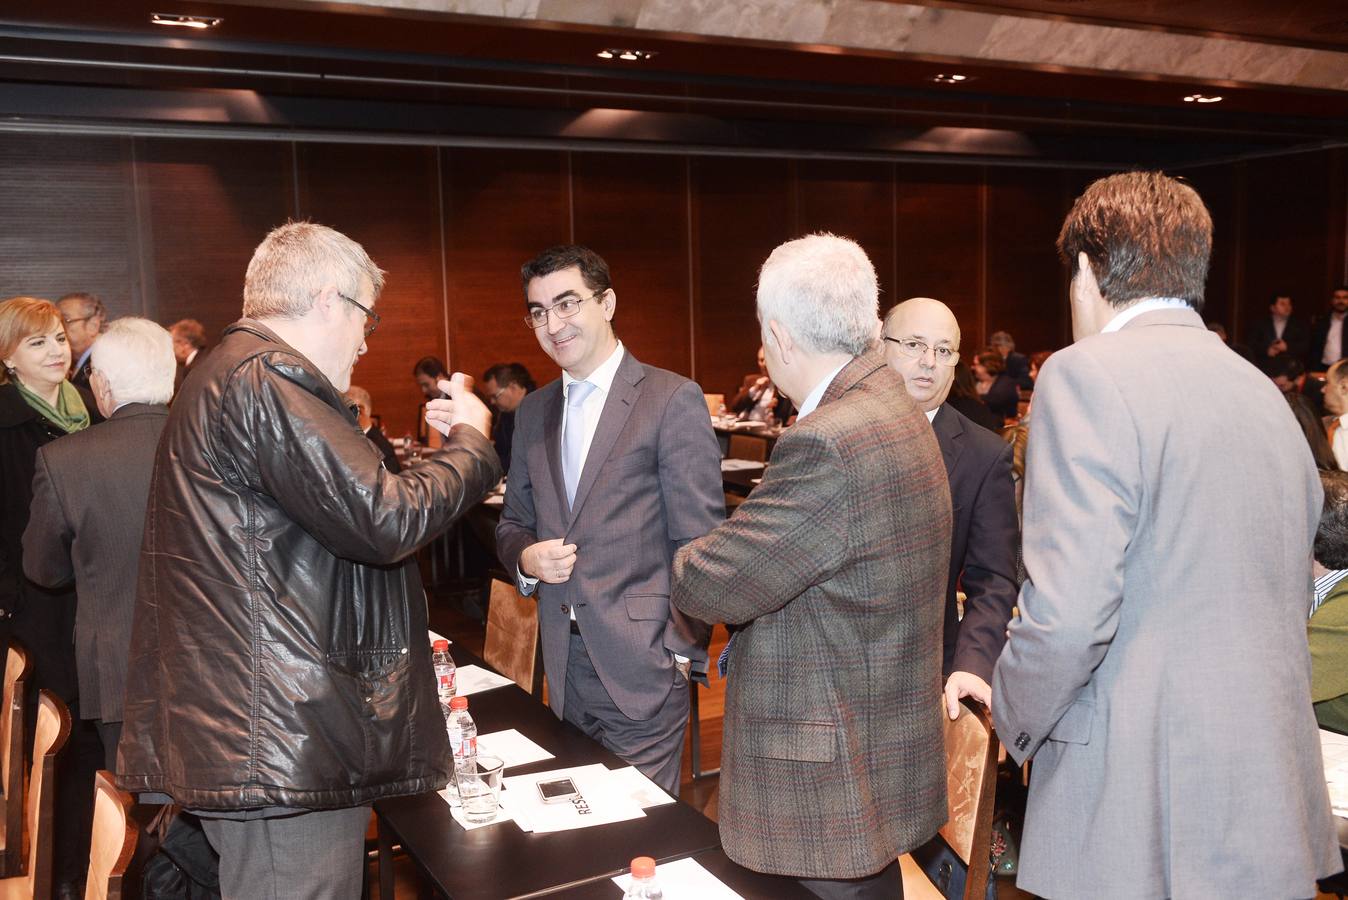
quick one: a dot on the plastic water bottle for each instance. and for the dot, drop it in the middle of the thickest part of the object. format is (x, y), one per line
(462, 734)
(644, 885)
(444, 674)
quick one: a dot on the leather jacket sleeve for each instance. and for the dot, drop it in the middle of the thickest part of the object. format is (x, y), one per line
(309, 456)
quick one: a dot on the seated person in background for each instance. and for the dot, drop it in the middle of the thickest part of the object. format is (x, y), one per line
(428, 371)
(360, 399)
(1016, 366)
(1336, 404)
(758, 399)
(964, 397)
(505, 385)
(1240, 350)
(1328, 626)
(1037, 361)
(994, 386)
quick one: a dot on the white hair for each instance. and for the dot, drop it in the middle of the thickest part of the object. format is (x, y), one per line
(298, 260)
(136, 357)
(823, 290)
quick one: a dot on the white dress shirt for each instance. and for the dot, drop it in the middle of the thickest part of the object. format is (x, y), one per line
(1333, 349)
(1143, 306)
(817, 393)
(1340, 446)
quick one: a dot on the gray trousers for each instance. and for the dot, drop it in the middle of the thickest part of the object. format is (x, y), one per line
(653, 746)
(308, 855)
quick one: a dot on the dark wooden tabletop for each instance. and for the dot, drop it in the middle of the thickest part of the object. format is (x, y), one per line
(501, 861)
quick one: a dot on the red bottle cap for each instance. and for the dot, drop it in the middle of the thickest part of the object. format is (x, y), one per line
(441, 644)
(643, 867)
(458, 703)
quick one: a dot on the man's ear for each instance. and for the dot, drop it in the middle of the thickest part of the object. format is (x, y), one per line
(778, 334)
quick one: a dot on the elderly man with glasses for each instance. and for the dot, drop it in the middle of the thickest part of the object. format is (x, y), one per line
(922, 342)
(280, 677)
(614, 467)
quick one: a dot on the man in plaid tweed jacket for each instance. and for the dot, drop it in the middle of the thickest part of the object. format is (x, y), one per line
(835, 567)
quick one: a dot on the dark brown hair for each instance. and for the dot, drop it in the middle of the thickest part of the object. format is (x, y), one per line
(991, 360)
(1145, 235)
(593, 269)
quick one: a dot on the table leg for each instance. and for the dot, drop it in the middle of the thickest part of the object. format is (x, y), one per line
(385, 861)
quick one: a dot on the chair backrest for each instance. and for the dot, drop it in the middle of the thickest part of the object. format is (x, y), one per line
(18, 668)
(714, 403)
(53, 728)
(113, 840)
(512, 646)
(971, 786)
(747, 446)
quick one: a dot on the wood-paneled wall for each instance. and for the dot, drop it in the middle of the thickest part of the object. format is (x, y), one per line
(165, 227)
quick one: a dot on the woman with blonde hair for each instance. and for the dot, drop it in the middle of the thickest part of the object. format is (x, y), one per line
(38, 404)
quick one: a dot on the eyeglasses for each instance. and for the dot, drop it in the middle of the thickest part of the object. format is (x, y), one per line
(915, 349)
(371, 317)
(537, 316)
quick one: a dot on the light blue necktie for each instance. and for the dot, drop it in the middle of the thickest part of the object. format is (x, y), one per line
(573, 437)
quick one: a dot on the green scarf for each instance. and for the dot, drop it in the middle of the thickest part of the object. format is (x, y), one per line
(69, 413)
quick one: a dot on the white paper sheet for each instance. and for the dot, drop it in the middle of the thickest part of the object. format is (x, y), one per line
(734, 465)
(685, 879)
(513, 748)
(472, 679)
(1334, 747)
(645, 792)
(603, 799)
(494, 500)
(437, 637)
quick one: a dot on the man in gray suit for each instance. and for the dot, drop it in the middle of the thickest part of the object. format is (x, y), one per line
(1158, 672)
(614, 467)
(835, 568)
(88, 510)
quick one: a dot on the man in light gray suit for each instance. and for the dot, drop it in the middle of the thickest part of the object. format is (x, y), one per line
(1158, 672)
(88, 512)
(614, 467)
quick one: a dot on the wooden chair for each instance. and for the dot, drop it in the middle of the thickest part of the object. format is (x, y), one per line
(18, 668)
(747, 446)
(960, 850)
(53, 728)
(113, 841)
(714, 403)
(513, 647)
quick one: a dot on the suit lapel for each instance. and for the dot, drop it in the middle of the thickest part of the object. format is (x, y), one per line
(949, 435)
(617, 408)
(552, 440)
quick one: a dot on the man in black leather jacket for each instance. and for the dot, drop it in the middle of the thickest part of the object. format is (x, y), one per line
(280, 674)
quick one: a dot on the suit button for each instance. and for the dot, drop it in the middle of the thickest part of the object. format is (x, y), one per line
(1022, 741)
(565, 608)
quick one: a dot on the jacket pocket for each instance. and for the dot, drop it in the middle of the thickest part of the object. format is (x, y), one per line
(1075, 725)
(641, 607)
(798, 741)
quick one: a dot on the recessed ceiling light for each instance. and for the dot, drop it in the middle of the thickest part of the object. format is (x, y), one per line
(183, 21)
(626, 55)
(1202, 98)
(950, 78)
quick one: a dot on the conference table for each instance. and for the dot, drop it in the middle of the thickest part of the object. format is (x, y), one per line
(501, 861)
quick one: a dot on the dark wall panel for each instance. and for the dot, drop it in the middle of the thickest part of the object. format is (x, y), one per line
(633, 211)
(939, 247)
(387, 198)
(855, 200)
(1027, 285)
(208, 204)
(501, 208)
(1219, 188)
(68, 219)
(742, 209)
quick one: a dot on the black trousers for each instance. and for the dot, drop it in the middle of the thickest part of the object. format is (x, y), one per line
(887, 884)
